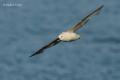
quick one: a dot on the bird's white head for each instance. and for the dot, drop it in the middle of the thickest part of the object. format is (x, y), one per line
(61, 36)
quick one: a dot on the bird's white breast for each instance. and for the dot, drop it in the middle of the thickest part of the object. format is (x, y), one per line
(68, 36)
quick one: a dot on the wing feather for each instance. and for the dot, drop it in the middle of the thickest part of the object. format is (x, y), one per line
(52, 43)
(86, 19)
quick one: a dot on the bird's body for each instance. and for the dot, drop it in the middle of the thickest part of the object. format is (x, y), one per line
(70, 34)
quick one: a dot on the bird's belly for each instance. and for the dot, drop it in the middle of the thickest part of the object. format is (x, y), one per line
(70, 36)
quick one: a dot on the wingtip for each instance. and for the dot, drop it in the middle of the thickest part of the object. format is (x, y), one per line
(101, 6)
(31, 55)
(36, 53)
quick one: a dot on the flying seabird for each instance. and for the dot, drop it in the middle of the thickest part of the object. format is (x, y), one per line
(70, 34)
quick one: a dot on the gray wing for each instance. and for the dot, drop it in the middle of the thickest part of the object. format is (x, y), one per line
(52, 43)
(86, 19)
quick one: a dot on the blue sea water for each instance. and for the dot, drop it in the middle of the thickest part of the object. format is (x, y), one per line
(27, 27)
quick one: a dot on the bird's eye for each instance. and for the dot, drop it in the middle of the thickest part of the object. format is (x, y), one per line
(61, 36)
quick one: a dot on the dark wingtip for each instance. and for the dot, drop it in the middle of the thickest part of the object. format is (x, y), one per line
(101, 6)
(38, 52)
(32, 55)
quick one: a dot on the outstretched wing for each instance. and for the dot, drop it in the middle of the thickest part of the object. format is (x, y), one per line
(52, 43)
(85, 19)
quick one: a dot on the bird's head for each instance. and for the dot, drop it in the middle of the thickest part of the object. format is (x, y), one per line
(61, 36)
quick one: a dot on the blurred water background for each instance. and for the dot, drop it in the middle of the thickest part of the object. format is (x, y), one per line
(26, 27)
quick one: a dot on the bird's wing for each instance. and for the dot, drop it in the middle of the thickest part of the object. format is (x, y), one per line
(86, 19)
(52, 43)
